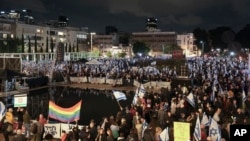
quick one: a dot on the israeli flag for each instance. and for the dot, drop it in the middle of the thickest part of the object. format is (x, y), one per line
(164, 135)
(2, 110)
(119, 95)
(205, 121)
(214, 130)
(190, 99)
(197, 130)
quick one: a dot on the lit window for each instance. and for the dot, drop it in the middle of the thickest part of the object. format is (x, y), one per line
(60, 33)
(4, 35)
(38, 30)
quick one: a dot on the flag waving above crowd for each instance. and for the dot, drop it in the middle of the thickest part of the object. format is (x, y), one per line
(119, 95)
(190, 99)
(65, 114)
(2, 110)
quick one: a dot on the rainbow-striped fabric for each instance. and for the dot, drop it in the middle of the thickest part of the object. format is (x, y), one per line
(65, 114)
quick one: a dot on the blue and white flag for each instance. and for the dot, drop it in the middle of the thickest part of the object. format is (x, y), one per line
(164, 135)
(244, 97)
(119, 95)
(205, 120)
(197, 130)
(214, 130)
(2, 110)
(141, 91)
(190, 99)
(134, 102)
(212, 96)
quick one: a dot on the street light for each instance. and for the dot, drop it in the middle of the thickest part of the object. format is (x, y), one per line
(91, 40)
(202, 45)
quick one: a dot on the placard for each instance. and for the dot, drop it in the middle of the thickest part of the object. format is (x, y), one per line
(181, 131)
(20, 100)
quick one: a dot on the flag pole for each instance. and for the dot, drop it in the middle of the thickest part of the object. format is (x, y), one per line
(119, 104)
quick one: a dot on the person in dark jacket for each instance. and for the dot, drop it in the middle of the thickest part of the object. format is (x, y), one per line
(148, 134)
(225, 131)
(20, 113)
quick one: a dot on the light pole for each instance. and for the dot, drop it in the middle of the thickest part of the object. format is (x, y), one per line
(202, 49)
(91, 40)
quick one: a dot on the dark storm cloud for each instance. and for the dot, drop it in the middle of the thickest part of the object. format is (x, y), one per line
(179, 15)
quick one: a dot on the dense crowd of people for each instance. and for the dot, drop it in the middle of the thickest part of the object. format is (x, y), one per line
(220, 86)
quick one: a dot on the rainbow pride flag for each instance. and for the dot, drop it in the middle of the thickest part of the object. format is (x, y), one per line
(65, 114)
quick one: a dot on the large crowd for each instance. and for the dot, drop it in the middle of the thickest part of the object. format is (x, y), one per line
(220, 86)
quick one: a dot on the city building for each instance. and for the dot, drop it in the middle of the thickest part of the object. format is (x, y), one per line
(151, 25)
(105, 42)
(186, 42)
(157, 41)
(153, 37)
(43, 35)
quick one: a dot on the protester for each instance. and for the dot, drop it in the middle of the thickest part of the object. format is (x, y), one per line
(20, 113)
(218, 86)
(8, 125)
(26, 122)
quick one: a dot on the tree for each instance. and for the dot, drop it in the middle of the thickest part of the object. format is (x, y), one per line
(73, 48)
(70, 47)
(66, 47)
(13, 45)
(3, 46)
(29, 45)
(122, 54)
(218, 37)
(35, 44)
(29, 48)
(51, 45)
(41, 49)
(201, 35)
(140, 47)
(47, 44)
(22, 50)
(109, 54)
(243, 36)
(77, 45)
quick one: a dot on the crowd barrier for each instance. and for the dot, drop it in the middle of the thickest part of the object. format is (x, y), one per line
(104, 80)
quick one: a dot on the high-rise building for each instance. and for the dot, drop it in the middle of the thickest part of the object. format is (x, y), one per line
(63, 21)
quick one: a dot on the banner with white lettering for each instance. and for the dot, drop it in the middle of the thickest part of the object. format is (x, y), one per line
(53, 128)
(68, 127)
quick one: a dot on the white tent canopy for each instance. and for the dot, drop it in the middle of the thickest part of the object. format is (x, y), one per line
(94, 62)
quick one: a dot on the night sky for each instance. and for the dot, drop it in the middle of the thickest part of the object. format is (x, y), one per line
(130, 15)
